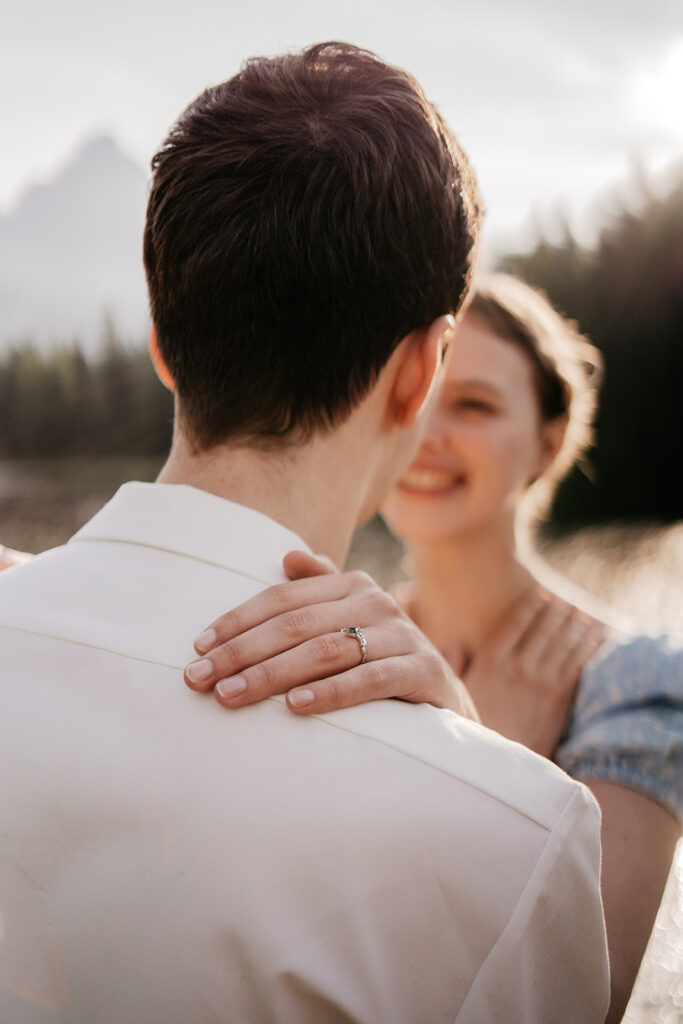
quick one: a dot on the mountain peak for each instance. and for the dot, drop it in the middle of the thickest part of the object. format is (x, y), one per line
(94, 166)
(71, 248)
(97, 147)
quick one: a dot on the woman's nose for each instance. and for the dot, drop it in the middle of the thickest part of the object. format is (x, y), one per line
(434, 435)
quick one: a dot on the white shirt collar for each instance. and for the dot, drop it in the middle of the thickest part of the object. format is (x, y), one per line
(194, 523)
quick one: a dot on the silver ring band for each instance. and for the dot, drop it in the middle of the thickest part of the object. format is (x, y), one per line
(357, 632)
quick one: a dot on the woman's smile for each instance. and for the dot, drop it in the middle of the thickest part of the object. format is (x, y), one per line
(428, 481)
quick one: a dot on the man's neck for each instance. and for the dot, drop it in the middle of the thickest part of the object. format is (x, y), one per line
(316, 490)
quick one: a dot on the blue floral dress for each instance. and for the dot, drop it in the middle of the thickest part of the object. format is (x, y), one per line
(627, 722)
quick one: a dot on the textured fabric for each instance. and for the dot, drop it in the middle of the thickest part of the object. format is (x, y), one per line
(627, 722)
(165, 861)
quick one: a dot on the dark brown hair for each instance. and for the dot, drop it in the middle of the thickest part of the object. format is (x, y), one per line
(566, 368)
(304, 216)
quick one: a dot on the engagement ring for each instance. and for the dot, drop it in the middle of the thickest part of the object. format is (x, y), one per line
(358, 633)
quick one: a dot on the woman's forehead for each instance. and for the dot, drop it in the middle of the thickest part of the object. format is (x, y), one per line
(478, 355)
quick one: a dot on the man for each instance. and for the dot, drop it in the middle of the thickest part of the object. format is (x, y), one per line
(309, 233)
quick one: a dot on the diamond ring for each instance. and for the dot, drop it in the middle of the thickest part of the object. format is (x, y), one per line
(357, 632)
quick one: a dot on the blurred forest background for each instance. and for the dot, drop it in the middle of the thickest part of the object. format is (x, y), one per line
(626, 293)
(61, 410)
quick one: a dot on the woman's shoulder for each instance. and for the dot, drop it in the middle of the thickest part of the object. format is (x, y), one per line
(632, 669)
(627, 722)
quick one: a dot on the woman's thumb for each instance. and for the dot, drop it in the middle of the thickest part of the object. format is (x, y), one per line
(298, 565)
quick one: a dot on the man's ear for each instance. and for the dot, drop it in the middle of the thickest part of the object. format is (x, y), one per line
(162, 370)
(418, 369)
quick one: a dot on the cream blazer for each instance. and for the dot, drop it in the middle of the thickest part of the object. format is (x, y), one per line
(166, 861)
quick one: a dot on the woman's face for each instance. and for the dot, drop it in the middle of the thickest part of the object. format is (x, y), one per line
(483, 445)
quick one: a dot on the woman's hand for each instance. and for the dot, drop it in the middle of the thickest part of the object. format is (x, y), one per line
(288, 639)
(8, 558)
(524, 675)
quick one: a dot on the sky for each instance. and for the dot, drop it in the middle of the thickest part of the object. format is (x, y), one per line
(556, 103)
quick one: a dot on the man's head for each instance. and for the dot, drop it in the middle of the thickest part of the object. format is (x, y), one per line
(304, 217)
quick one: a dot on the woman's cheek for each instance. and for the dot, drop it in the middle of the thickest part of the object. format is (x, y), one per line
(521, 455)
(510, 456)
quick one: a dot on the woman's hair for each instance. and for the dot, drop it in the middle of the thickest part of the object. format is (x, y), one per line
(567, 369)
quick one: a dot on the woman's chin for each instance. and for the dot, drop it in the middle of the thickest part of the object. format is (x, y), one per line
(428, 500)
(425, 516)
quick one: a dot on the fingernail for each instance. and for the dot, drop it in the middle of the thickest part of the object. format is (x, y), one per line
(199, 671)
(228, 688)
(299, 698)
(206, 640)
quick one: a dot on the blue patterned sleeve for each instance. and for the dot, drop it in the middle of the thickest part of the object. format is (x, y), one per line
(627, 722)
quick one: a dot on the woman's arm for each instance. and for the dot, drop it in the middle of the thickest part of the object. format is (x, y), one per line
(638, 842)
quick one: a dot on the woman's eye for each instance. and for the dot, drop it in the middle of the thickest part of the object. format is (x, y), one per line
(473, 404)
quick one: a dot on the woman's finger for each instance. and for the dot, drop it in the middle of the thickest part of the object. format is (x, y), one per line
(509, 632)
(379, 680)
(547, 628)
(578, 656)
(276, 600)
(330, 654)
(568, 637)
(299, 565)
(290, 630)
(389, 677)
(263, 642)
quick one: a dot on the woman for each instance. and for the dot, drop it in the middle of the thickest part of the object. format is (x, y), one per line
(513, 414)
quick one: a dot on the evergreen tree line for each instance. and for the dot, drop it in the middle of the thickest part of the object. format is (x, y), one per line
(61, 404)
(625, 292)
